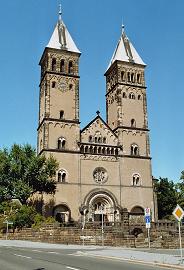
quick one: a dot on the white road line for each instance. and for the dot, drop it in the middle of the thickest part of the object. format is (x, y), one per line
(72, 268)
(52, 252)
(18, 255)
(78, 253)
(37, 250)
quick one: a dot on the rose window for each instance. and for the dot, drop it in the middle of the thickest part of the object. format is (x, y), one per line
(100, 175)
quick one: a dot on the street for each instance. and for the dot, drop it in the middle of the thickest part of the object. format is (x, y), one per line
(23, 258)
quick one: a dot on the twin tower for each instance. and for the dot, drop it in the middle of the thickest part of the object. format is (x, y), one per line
(106, 166)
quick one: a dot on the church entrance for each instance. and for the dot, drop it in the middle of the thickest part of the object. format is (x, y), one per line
(101, 207)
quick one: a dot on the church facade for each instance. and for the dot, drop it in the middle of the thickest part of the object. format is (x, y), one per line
(106, 166)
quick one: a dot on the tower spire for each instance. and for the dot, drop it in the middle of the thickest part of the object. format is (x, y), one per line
(61, 30)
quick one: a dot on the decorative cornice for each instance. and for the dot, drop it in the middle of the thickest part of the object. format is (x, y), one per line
(126, 84)
(119, 62)
(131, 128)
(59, 151)
(137, 157)
(58, 120)
(57, 73)
(60, 52)
(91, 154)
(105, 185)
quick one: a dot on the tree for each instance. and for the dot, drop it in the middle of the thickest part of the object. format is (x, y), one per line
(180, 190)
(166, 197)
(23, 173)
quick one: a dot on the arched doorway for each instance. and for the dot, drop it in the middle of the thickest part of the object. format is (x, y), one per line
(62, 213)
(102, 205)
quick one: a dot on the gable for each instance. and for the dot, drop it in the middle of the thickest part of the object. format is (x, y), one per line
(98, 132)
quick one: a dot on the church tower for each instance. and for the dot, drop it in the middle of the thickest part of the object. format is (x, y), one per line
(59, 93)
(126, 111)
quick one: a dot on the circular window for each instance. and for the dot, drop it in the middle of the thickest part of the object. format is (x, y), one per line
(100, 175)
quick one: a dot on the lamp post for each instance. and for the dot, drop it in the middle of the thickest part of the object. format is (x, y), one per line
(101, 210)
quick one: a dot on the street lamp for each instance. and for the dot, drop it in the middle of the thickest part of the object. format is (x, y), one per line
(101, 208)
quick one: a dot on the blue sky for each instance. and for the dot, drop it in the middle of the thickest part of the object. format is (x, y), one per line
(155, 27)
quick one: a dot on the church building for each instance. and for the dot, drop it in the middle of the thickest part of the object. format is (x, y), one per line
(106, 166)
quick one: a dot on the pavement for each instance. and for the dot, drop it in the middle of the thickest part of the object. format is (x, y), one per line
(164, 258)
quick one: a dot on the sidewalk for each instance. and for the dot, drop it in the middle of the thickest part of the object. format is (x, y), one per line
(169, 260)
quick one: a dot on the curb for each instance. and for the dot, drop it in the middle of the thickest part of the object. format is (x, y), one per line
(172, 266)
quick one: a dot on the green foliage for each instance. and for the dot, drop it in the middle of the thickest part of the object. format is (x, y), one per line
(23, 173)
(180, 190)
(166, 197)
(21, 216)
(38, 221)
(24, 217)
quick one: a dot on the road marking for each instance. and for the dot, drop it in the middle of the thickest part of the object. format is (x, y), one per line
(18, 255)
(52, 252)
(72, 268)
(37, 250)
(78, 253)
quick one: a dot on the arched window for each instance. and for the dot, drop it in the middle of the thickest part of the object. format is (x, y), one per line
(91, 149)
(70, 67)
(134, 150)
(136, 179)
(62, 175)
(122, 75)
(90, 138)
(62, 65)
(139, 97)
(133, 123)
(70, 86)
(98, 137)
(53, 84)
(54, 64)
(138, 78)
(116, 152)
(112, 151)
(124, 95)
(61, 114)
(61, 143)
(104, 140)
(95, 150)
(132, 77)
(86, 149)
(131, 96)
(103, 151)
(108, 151)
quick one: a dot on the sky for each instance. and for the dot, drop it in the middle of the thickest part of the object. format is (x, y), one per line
(155, 27)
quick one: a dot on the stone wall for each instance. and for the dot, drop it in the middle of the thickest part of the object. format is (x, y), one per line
(162, 236)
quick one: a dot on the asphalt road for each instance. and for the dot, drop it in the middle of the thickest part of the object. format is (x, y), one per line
(14, 258)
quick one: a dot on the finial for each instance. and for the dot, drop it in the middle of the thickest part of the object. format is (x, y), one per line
(60, 12)
(122, 26)
(98, 112)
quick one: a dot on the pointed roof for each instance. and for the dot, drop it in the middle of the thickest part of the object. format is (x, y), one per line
(125, 51)
(61, 38)
(99, 123)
